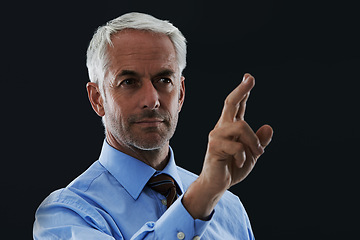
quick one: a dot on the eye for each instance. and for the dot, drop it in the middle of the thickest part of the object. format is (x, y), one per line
(128, 82)
(165, 80)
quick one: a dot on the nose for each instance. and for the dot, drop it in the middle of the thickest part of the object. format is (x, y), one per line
(149, 96)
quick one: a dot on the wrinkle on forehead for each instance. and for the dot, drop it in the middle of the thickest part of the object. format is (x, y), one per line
(135, 42)
(141, 49)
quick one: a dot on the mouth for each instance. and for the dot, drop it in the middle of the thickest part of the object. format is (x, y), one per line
(150, 122)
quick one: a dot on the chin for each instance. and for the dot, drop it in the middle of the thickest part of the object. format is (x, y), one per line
(150, 143)
(149, 146)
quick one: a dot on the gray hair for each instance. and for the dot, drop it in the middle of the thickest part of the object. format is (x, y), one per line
(97, 60)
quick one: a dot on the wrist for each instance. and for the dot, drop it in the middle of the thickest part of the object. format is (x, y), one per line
(199, 201)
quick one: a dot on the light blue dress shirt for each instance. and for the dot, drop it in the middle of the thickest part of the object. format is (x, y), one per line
(110, 200)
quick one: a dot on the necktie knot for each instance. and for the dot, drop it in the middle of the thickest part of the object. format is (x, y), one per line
(165, 185)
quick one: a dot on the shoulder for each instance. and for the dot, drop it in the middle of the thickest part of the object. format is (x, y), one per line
(72, 204)
(73, 196)
(84, 181)
(70, 194)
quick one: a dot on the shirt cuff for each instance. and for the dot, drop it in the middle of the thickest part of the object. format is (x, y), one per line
(177, 222)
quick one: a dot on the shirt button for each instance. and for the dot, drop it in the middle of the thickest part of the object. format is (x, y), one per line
(196, 238)
(164, 202)
(180, 235)
(150, 224)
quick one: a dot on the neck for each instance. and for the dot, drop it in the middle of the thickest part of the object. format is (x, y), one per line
(156, 159)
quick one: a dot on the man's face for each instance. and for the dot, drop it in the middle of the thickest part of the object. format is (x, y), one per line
(144, 91)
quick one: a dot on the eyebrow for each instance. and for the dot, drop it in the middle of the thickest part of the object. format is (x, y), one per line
(165, 72)
(127, 72)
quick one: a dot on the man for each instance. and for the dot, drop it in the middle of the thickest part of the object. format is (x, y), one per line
(135, 65)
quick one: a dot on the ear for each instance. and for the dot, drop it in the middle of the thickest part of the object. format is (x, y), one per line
(95, 98)
(182, 92)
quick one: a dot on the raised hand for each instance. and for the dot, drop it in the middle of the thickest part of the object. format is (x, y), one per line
(233, 147)
(232, 152)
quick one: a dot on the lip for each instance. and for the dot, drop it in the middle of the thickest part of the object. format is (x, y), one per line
(149, 122)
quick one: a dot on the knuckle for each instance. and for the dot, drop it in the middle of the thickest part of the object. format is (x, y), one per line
(241, 124)
(230, 101)
(212, 134)
(213, 138)
(216, 132)
(238, 147)
(226, 101)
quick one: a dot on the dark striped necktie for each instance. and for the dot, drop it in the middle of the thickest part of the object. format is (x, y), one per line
(165, 185)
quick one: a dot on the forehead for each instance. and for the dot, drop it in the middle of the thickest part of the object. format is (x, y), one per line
(141, 49)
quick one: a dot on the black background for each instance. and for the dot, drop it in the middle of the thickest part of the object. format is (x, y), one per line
(305, 58)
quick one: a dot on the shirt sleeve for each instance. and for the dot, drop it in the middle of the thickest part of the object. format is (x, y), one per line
(175, 223)
(74, 218)
(69, 218)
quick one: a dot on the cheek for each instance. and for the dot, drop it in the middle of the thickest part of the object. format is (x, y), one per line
(113, 108)
(173, 104)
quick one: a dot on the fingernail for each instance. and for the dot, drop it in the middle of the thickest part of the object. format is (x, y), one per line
(241, 165)
(245, 79)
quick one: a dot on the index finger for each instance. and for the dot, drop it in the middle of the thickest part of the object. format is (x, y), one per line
(235, 102)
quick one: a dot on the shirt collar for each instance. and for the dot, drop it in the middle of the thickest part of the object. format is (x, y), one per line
(132, 173)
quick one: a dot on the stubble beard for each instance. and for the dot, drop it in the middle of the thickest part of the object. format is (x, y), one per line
(127, 132)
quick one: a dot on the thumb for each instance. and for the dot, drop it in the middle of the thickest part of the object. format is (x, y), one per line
(265, 134)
